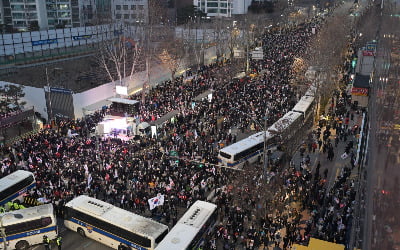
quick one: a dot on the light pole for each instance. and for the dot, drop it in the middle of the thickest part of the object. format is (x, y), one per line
(265, 150)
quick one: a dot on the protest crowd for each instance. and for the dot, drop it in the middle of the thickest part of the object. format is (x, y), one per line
(129, 173)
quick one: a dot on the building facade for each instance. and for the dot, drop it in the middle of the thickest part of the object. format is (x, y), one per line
(128, 11)
(31, 15)
(214, 8)
(224, 8)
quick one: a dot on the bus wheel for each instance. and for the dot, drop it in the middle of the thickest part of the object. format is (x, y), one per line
(81, 232)
(22, 245)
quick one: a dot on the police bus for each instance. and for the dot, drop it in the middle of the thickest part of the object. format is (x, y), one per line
(26, 227)
(112, 225)
(15, 185)
(248, 150)
(191, 229)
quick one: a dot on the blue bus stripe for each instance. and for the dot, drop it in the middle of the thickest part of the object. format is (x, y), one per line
(112, 236)
(15, 195)
(29, 233)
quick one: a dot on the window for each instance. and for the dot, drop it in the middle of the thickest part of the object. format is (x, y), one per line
(28, 225)
(126, 16)
(134, 16)
(222, 11)
(63, 7)
(31, 15)
(212, 5)
(118, 16)
(118, 7)
(17, 186)
(126, 7)
(64, 14)
(249, 151)
(19, 23)
(140, 7)
(225, 155)
(18, 15)
(17, 7)
(133, 7)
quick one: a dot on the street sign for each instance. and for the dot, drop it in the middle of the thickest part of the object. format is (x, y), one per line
(238, 53)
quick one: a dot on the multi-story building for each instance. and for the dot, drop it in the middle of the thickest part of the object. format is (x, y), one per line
(24, 15)
(224, 8)
(128, 11)
(215, 7)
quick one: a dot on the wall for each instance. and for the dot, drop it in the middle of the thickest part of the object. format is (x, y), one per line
(33, 97)
(28, 42)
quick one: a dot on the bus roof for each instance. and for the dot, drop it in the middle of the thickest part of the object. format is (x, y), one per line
(284, 122)
(188, 226)
(312, 90)
(12, 178)
(246, 143)
(203, 95)
(122, 100)
(31, 213)
(165, 117)
(115, 215)
(304, 104)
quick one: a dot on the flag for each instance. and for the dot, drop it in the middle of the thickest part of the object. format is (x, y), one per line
(89, 180)
(156, 201)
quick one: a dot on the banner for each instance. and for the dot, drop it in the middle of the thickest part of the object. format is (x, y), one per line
(359, 91)
(156, 201)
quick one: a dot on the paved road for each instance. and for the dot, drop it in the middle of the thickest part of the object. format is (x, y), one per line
(72, 240)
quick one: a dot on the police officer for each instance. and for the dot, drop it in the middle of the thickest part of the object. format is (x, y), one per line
(10, 206)
(59, 242)
(46, 242)
(16, 206)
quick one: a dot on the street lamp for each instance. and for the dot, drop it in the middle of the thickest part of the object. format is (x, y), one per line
(265, 154)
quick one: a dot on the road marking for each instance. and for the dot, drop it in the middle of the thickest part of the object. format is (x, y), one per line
(87, 244)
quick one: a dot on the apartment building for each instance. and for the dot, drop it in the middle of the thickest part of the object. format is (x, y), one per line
(130, 11)
(223, 8)
(26, 15)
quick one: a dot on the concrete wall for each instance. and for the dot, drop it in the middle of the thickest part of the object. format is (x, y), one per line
(34, 97)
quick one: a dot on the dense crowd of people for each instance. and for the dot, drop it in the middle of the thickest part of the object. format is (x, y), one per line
(128, 173)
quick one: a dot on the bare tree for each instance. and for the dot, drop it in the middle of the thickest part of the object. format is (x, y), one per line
(172, 56)
(327, 51)
(119, 57)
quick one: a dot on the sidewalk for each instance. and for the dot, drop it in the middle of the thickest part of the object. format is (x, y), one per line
(338, 163)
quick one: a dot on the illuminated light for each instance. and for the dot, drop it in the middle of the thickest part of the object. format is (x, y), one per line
(136, 91)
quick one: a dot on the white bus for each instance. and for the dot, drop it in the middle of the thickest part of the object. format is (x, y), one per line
(190, 230)
(288, 125)
(248, 150)
(15, 185)
(305, 106)
(112, 225)
(26, 227)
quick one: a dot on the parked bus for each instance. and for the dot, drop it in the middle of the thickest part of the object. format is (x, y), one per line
(191, 229)
(112, 225)
(26, 227)
(248, 150)
(287, 126)
(15, 185)
(306, 107)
